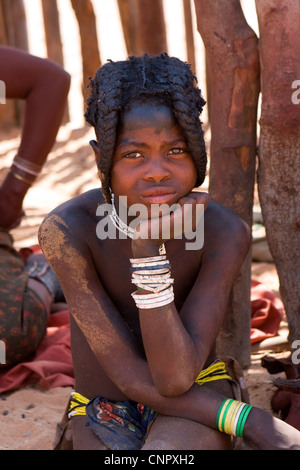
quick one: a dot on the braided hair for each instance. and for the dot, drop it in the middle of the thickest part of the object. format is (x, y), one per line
(118, 84)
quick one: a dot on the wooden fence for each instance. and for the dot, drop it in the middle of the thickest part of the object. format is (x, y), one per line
(143, 25)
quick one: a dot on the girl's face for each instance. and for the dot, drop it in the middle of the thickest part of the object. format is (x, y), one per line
(152, 164)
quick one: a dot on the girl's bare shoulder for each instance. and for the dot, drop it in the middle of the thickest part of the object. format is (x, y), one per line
(224, 226)
(71, 220)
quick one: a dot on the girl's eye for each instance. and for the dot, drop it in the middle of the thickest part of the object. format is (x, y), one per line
(177, 151)
(132, 155)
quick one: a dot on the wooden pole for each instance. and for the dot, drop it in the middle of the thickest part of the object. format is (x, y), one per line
(128, 15)
(190, 43)
(53, 38)
(151, 29)
(279, 147)
(85, 15)
(233, 71)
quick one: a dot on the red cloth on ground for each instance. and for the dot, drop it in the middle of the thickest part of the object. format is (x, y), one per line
(267, 311)
(51, 365)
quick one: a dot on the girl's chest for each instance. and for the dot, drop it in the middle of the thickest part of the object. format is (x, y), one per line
(113, 267)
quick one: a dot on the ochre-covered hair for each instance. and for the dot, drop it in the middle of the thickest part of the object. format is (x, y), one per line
(118, 84)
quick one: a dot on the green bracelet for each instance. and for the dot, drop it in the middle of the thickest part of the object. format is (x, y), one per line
(242, 420)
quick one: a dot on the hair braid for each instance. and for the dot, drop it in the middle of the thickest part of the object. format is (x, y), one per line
(102, 113)
(187, 105)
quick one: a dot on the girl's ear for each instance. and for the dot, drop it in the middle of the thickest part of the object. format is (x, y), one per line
(95, 147)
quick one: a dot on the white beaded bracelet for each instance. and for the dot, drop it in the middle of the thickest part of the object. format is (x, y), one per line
(150, 259)
(149, 297)
(150, 264)
(152, 278)
(155, 305)
(153, 300)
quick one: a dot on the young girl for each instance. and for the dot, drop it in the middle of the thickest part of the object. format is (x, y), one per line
(145, 308)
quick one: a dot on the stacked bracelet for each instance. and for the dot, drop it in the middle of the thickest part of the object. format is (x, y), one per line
(232, 416)
(154, 300)
(25, 171)
(21, 178)
(153, 275)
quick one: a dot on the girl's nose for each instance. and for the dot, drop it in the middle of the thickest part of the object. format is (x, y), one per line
(157, 171)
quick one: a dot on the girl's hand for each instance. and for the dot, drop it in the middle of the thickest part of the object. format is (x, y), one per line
(178, 221)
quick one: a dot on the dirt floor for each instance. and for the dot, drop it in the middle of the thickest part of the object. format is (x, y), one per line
(28, 417)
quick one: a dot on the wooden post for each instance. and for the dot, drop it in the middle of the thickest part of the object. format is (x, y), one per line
(233, 71)
(279, 146)
(7, 110)
(190, 43)
(52, 31)
(85, 15)
(16, 27)
(53, 38)
(128, 15)
(151, 28)
(13, 32)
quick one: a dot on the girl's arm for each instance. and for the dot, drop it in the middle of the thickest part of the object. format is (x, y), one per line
(178, 344)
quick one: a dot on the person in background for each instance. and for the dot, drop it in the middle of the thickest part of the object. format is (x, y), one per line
(44, 86)
(28, 288)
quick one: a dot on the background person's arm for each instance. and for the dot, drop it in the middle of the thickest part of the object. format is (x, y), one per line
(44, 86)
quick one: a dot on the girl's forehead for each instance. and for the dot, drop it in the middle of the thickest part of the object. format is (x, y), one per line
(141, 115)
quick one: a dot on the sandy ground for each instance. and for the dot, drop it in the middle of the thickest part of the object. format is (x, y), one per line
(28, 417)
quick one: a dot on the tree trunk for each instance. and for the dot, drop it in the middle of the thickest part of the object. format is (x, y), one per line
(13, 32)
(89, 41)
(3, 35)
(190, 44)
(53, 38)
(7, 110)
(128, 15)
(233, 67)
(52, 31)
(151, 28)
(279, 146)
(16, 27)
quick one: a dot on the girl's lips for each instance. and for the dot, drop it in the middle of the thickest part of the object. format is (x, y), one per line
(158, 197)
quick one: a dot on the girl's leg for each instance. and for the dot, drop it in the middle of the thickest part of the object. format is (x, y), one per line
(84, 437)
(181, 434)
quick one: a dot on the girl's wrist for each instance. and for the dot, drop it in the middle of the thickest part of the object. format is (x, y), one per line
(144, 248)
